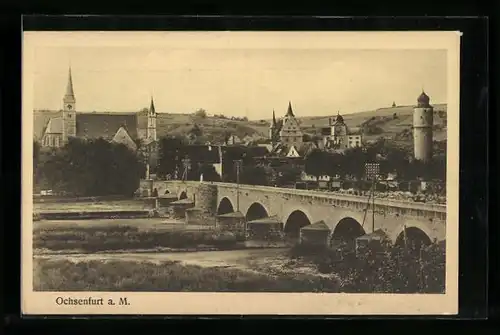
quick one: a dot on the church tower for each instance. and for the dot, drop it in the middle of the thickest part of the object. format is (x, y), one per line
(69, 111)
(422, 128)
(151, 130)
(272, 129)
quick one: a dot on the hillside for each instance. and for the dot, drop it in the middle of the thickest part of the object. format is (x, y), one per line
(394, 123)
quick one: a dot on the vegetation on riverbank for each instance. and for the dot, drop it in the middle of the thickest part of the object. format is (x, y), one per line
(108, 238)
(388, 270)
(167, 276)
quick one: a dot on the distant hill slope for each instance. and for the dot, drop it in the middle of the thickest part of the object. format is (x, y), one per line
(394, 123)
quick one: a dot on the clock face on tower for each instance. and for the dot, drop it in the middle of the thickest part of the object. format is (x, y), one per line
(69, 107)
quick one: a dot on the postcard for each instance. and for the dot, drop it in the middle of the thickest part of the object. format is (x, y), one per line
(240, 173)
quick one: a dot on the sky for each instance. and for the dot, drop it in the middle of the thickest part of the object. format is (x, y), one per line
(237, 81)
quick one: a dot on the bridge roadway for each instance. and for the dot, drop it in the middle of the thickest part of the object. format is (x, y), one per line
(295, 208)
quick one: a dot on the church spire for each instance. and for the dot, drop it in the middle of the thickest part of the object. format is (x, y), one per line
(70, 94)
(152, 107)
(274, 118)
(289, 112)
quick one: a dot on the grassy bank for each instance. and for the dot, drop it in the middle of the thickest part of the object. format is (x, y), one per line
(97, 275)
(108, 238)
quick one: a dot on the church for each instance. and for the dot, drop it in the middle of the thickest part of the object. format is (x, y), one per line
(54, 128)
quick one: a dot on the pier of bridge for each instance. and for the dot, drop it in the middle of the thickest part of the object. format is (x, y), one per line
(347, 216)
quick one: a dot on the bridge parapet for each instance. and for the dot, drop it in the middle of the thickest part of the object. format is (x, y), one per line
(382, 206)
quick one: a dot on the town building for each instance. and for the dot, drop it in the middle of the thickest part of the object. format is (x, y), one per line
(287, 130)
(339, 136)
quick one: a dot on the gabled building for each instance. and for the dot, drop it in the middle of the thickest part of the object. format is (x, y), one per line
(124, 138)
(287, 130)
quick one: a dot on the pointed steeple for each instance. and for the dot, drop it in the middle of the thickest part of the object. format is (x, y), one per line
(70, 94)
(152, 107)
(274, 118)
(289, 111)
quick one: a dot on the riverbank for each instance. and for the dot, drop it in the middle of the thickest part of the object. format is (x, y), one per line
(155, 275)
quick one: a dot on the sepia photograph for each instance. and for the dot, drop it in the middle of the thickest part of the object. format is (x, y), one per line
(240, 172)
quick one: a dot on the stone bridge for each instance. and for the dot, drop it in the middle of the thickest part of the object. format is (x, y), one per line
(345, 215)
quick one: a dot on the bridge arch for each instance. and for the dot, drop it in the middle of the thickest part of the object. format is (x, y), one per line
(183, 195)
(294, 222)
(225, 206)
(256, 211)
(348, 229)
(416, 238)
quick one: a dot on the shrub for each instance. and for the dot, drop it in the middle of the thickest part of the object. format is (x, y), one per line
(391, 270)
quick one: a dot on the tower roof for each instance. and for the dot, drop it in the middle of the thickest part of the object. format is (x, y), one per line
(339, 118)
(69, 87)
(152, 107)
(290, 111)
(423, 99)
(273, 123)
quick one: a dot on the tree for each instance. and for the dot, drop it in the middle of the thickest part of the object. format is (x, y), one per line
(316, 163)
(201, 113)
(256, 175)
(171, 153)
(354, 162)
(286, 174)
(396, 160)
(335, 164)
(91, 168)
(209, 173)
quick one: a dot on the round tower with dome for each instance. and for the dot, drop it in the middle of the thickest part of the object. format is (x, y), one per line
(422, 128)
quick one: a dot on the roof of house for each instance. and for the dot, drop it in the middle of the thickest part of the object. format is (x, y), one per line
(41, 119)
(54, 126)
(123, 137)
(306, 148)
(317, 226)
(355, 131)
(280, 150)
